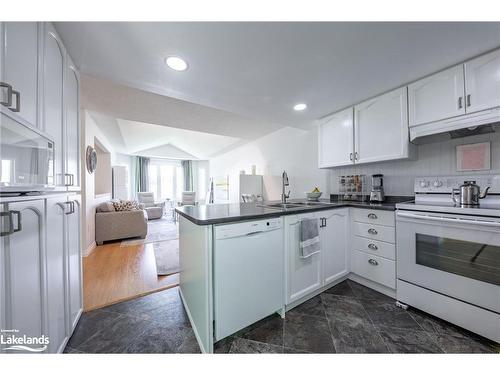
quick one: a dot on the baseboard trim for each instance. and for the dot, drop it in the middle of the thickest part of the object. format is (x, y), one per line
(90, 249)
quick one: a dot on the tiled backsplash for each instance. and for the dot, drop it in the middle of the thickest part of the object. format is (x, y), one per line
(433, 159)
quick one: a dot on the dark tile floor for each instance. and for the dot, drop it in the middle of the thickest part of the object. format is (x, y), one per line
(348, 318)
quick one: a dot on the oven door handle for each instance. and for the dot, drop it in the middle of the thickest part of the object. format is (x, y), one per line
(449, 220)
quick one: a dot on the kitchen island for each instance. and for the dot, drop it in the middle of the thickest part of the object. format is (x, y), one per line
(199, 228)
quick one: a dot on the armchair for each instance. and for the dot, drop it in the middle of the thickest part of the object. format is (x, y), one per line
(153, 209)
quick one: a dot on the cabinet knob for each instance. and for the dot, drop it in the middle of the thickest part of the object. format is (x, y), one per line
(372, 246)
(373, 262)
(372, 231)
(459, 102)
(468, 100)
(372, 216)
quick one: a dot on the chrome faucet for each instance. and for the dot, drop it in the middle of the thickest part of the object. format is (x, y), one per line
(284, 180)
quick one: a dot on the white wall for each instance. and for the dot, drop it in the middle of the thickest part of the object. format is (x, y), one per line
(290, 149)
(433, 159)
(90, 201)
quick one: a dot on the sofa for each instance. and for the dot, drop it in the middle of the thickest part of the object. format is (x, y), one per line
(153, 209)
(116, 225)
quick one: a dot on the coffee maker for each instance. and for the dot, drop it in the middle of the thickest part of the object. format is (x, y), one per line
(377, 192)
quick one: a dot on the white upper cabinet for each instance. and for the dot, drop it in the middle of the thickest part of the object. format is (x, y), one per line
(53, 75)
(381, 128)
(437, 97)
(335, 139)
(19, 44)
(482, 82)
(71, 95)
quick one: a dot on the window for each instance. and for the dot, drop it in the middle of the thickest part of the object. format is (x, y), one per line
(165, 179)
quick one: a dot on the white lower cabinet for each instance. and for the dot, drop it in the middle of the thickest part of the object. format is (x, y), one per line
(56, 270)
(74, 262)
(374, 268)
(373, 249)
(40, 268)
(306, 275)
(334, 234)
(23, 307)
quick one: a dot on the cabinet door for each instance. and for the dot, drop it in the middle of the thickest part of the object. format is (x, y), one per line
(381, 128)
(53, 75)
(19, 43)
(72, 144)
(304, 274)
(24, 270)
(482, 82)
(74, 274)
(56, 273)
(335, 140)
(334, 233)
(437, 97)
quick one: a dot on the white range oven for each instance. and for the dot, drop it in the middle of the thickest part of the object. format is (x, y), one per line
(448, 256)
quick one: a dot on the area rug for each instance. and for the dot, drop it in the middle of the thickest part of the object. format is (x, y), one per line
(167, 257)
(163, 229)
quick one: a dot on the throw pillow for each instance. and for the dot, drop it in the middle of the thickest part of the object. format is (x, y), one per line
(123, 206)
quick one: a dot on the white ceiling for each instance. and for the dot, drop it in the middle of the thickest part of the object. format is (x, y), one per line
(133, 137)
(260, 70)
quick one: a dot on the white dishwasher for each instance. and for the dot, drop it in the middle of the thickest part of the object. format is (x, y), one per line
(248, 273)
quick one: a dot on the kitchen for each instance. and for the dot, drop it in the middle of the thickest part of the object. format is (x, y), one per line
(347, 211)
(412, 248)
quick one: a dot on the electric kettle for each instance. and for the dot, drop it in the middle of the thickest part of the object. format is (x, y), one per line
(470, 194)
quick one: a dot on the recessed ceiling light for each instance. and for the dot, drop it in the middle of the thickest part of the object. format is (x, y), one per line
(176, 63)
(300, 107)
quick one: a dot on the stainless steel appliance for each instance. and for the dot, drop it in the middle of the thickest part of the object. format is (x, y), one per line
(377, 193)
(448, 254)
(27, 158)
(470, 194)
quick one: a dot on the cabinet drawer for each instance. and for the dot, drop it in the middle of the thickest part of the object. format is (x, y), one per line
(373, 216)
(376, 232)
(374, 268)
(379, 248)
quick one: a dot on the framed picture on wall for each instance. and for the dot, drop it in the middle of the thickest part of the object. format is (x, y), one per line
(474, 157)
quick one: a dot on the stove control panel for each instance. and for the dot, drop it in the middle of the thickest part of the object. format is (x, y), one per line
(445, 184)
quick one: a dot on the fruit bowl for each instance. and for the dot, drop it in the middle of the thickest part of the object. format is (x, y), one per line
(313, 196)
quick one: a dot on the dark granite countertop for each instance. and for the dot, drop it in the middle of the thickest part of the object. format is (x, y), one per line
(233, 212)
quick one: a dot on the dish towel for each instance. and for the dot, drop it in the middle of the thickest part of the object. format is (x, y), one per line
(309, 238)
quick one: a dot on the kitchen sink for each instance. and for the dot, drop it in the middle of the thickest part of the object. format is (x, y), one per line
(294, 205)
(281, 205)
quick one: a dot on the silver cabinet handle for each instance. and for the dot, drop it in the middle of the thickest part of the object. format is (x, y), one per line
(460, 102)
(373, 262)
(350, 156)
(7, 103)
(372, 231)
(19, 221)
(10, 216)
(372, 246)
(356, 157)
(17, 108)
(468, 100)
(70, 204)
(372, 216)
(69, 179)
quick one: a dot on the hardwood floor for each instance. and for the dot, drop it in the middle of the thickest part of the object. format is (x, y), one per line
(112, 274)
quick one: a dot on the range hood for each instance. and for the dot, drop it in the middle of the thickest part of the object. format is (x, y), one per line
(457, 127)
